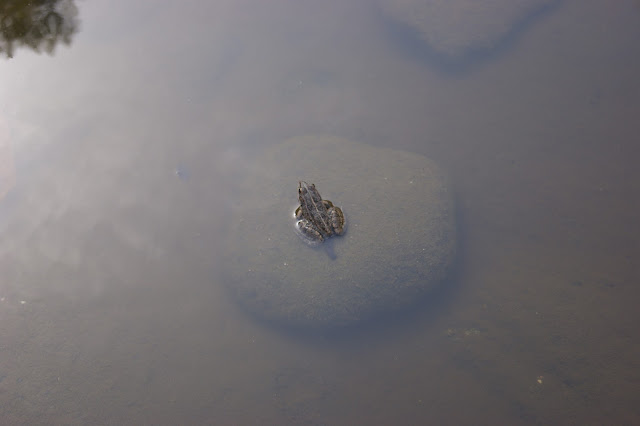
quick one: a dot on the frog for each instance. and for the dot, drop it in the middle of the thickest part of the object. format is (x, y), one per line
(317, 219)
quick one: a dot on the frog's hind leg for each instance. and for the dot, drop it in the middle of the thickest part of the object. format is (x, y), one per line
(336, 217)
(309, 233)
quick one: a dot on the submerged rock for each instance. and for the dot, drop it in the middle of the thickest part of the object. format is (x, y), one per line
(399, 243)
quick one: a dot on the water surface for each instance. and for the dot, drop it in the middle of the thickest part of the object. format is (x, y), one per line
(118, 154)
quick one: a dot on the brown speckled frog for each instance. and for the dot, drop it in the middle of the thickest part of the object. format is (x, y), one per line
(318, 219)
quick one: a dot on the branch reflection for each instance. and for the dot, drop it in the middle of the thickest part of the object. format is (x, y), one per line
(39, 24)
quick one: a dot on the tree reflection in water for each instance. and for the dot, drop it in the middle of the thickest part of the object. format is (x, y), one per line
(39, 24)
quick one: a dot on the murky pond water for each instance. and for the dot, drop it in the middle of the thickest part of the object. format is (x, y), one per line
(149, 159)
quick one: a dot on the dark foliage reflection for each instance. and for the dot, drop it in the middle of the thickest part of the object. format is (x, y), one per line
(39, 24)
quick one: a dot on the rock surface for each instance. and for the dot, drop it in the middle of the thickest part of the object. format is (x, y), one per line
(398, 245)
(456, 27)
